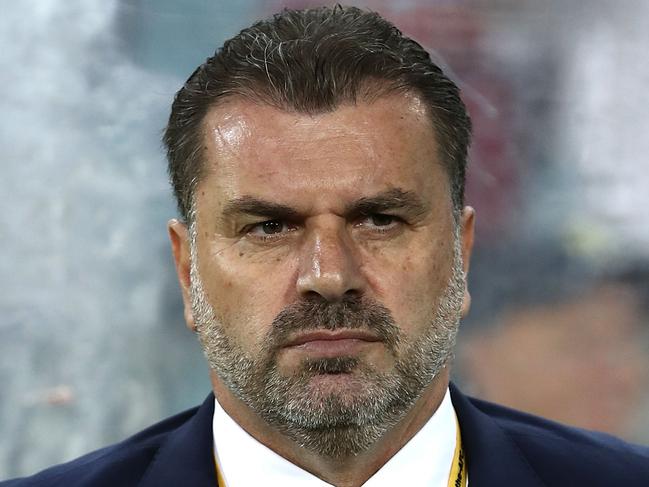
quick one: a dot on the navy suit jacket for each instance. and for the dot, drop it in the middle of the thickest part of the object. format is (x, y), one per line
(503, 448)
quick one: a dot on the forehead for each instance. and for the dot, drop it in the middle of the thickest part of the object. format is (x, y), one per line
(357, 149)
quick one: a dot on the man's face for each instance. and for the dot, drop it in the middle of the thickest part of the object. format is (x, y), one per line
(326, 279)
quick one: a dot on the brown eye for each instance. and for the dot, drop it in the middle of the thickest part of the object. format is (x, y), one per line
(381, 220)
(272, 226)
(380, 223)
(269, 229)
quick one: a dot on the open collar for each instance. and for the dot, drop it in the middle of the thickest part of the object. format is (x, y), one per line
(494, 460)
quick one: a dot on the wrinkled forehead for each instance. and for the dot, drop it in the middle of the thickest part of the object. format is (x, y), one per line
(353, 149)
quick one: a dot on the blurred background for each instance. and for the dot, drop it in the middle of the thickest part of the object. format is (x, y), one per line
(93, 345)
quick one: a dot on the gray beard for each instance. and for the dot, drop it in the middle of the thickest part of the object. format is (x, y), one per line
(332, 424)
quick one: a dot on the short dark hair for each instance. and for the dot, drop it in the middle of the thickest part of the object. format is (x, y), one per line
(311, 61)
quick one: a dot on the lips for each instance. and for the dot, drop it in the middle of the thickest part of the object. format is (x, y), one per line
(324, 336)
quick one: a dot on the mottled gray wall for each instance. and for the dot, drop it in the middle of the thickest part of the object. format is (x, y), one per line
(91, 334)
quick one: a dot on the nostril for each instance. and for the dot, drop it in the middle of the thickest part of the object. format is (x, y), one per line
(352, 293)
(312, 295)
(323, 294)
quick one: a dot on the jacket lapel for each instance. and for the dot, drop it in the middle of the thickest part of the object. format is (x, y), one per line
(493, 458)
(186, 457)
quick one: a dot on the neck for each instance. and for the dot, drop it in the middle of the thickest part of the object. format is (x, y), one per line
(347, 471)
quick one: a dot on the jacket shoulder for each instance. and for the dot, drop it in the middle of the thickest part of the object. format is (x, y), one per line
(123, 463)
(565, 455)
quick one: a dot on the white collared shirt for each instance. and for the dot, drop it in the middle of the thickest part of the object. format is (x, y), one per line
(424, 461)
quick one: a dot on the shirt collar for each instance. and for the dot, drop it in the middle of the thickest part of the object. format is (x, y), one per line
(242, 460)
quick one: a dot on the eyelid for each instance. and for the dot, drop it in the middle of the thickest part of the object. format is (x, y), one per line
(254, 232)
(247, 230)
(397, 222)
(382, 212)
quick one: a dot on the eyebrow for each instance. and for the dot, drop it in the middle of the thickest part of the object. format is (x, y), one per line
(390, 200)
(249, 205)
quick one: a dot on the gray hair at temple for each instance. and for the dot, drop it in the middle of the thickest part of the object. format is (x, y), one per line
(311, 61)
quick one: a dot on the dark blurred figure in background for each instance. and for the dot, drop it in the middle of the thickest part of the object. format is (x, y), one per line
(585, 352)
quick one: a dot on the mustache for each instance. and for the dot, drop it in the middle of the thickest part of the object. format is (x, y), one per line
(351, 312)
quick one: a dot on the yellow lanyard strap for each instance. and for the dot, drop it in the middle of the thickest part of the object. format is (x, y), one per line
(457, 477)
(219, 479)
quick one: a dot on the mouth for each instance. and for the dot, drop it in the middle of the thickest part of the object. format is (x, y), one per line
(329, 344)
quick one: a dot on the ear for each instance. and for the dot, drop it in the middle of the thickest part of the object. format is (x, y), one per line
(179, 237)
(467, 232)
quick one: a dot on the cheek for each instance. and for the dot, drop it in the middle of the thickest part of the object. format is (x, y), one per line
(410, 283)
(246, 293)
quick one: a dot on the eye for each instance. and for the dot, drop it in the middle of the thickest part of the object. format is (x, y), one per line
(269, 229)
(380, 222)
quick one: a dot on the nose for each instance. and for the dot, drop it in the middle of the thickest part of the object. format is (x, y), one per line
(329, 264)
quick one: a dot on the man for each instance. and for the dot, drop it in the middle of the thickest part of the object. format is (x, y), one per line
(318, 160)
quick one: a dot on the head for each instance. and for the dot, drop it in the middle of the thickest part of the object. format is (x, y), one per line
(318, 160)
(312, 61)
